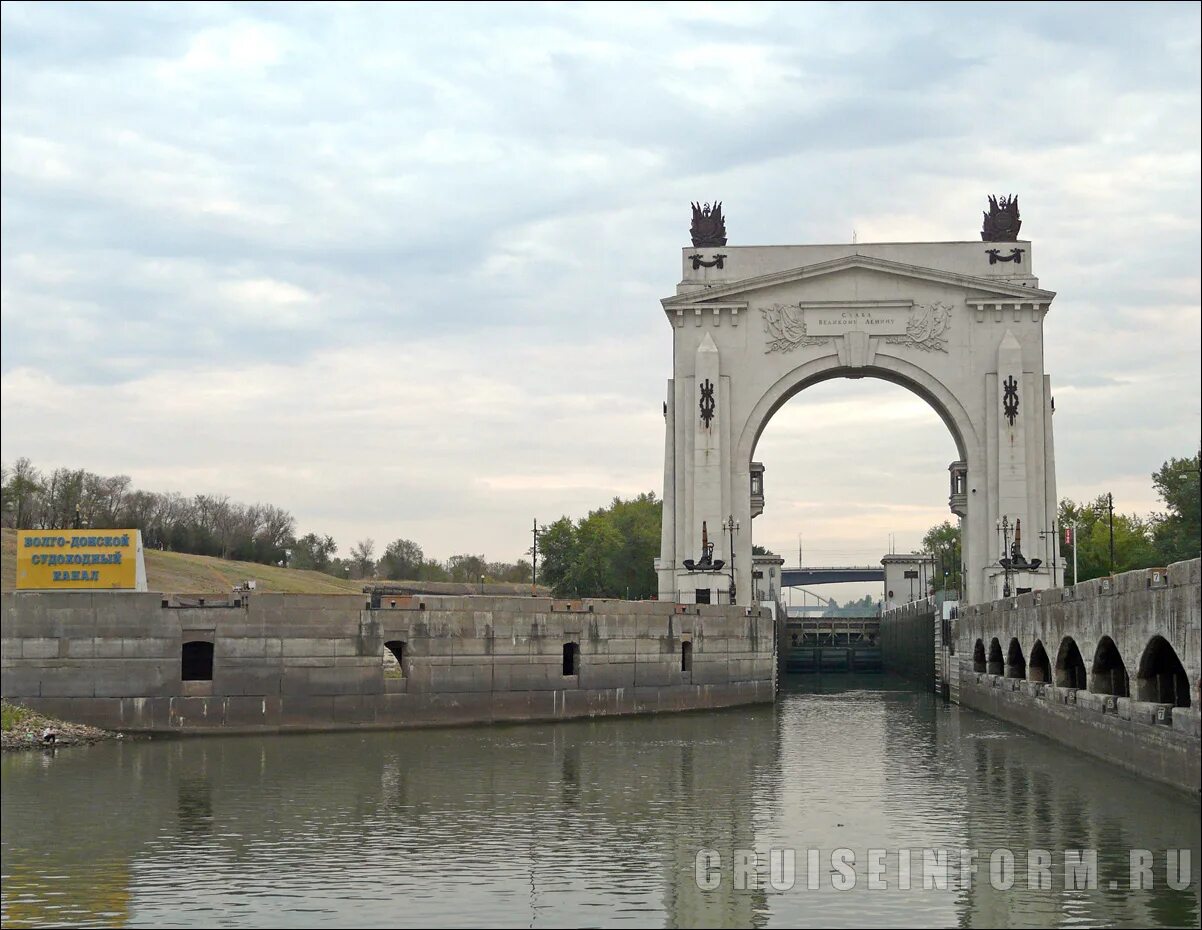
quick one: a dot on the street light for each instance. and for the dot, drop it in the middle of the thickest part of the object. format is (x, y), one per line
(1003, 528)
(732, 526)
(1012, 554)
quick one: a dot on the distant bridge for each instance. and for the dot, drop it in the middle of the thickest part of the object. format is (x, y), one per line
(795, 577)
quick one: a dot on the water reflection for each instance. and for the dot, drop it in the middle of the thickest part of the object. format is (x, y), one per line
(581, 823)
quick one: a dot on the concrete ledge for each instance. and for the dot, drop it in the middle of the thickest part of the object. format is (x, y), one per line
(1121, 731)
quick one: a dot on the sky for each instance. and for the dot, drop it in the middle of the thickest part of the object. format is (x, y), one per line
(397, 268)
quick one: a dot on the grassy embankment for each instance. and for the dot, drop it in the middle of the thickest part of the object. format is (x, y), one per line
(180, 573)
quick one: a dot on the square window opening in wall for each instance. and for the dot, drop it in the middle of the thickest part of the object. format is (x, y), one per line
(702, 596)
(571, 658)
(196, 661)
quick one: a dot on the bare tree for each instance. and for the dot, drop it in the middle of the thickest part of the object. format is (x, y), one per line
(362, 558)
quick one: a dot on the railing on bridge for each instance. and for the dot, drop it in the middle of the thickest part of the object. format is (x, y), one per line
(834, 574)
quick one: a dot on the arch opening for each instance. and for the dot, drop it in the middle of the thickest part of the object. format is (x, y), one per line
(996, 665)
(1016, 665)
(1070, 666)
(978, 656)
(956, 568)
(1162, 678)
(845, 495)
(888, 368)
(1108, 674)
(1040, 668)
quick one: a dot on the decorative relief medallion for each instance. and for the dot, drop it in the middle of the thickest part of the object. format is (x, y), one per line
(707, 402)
(926, 328)
(1010, 399)
(785, 327)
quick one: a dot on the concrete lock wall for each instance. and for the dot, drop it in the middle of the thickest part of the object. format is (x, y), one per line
(908, 642)
(299, 662)
(1128, 714)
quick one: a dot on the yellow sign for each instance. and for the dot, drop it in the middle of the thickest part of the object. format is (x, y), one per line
(71, 560)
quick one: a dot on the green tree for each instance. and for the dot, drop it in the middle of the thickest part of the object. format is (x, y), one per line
(557, 555)
(433, 570)
(1177, 533)
(942, 542)
(467, 569)
(609, 553)
(1133, 546)
(313, 552)
(403, 560)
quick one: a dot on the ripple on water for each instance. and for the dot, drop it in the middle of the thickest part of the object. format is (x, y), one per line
(588, 822)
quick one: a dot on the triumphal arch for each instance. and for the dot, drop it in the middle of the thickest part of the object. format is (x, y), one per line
(960, 324)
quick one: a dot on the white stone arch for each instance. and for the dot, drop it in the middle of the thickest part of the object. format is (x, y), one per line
(958, 324)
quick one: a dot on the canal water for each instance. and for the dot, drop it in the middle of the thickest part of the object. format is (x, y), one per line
(600, 823)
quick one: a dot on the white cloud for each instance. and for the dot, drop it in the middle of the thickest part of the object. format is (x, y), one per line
(397, 268)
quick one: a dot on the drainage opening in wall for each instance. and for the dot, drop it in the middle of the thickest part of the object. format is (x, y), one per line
(686, 657)
(571, 658)
(196, 661)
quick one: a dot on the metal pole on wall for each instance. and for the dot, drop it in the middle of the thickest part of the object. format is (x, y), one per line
(1055, 556)
(534, 560)
(1074, 555)
(1110, 510)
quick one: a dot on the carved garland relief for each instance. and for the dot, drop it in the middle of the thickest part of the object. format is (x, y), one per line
(926, 328)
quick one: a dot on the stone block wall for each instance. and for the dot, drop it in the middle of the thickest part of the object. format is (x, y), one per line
(306, 662)
(1081, 665)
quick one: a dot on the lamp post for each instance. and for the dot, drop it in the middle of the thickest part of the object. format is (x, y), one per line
(732, 526)
(1003, 528)
(1049, 538)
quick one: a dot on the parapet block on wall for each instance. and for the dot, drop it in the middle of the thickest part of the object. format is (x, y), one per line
(319, 662)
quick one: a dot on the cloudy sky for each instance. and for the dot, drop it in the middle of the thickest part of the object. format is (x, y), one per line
(397, 268)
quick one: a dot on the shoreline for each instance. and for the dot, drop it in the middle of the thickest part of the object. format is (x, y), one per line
(23, 729)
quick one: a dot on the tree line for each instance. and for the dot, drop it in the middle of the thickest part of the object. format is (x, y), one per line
(205, 524)
(608, 553)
